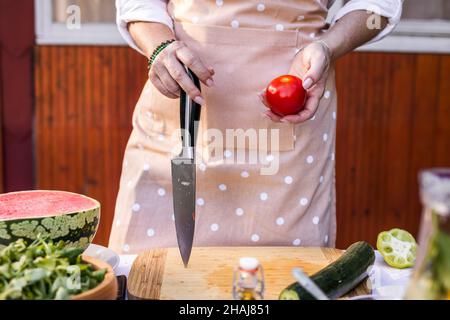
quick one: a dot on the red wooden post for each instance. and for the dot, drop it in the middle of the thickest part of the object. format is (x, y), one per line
(17, 38)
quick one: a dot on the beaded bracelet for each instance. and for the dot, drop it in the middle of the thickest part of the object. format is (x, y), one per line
(157, 51)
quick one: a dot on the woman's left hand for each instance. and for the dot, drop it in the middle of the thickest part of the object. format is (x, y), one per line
(311, 65)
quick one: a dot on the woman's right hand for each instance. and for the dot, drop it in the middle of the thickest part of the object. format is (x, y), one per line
(168, 74)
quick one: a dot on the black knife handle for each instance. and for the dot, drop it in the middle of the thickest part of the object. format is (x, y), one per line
(194, 116)
(122, 288)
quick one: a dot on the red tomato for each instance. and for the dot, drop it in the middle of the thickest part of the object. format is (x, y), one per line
(285, 95)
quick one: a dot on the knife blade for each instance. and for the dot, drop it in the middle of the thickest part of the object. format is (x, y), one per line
(184, 174)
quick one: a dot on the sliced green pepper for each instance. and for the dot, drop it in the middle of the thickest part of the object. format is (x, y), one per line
(398, 248)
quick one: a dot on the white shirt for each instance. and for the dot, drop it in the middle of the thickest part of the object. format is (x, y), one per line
(156, 11)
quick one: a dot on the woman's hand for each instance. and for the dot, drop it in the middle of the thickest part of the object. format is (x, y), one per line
(168, 74)
(311, 64)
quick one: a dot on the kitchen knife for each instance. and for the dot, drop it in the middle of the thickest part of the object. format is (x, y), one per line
(183, 173)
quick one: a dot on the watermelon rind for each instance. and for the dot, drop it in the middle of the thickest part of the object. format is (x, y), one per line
(76, 229)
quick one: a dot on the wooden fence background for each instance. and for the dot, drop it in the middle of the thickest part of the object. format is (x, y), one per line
(394, 119)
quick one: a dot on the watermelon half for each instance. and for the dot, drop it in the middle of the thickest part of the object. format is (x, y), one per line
(57, 215)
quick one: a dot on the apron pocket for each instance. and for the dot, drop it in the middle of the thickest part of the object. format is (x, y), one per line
(245, 61)
(156, 117)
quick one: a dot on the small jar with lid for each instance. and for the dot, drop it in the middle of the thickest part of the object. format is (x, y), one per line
(248, 280)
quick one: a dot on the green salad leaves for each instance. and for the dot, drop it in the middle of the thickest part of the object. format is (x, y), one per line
(44, 271)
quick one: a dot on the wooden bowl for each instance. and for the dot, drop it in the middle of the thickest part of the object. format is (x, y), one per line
(107, 290)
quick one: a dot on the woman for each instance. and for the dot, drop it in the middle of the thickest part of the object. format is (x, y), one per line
(236, 48)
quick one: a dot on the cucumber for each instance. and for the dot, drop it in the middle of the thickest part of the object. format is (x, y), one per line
(339, 277)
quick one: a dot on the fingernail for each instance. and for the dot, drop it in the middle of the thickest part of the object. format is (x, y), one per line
(210, 82)
(307, 83)
(261, 95)
(198, 100)
(284, 121)
(265, 116)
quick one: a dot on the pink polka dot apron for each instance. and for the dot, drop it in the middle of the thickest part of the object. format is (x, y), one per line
(248, 43)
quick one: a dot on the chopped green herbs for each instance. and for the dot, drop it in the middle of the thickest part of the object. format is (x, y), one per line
(44, 271)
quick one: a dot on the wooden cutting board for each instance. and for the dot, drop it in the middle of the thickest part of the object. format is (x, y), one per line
(160, 274)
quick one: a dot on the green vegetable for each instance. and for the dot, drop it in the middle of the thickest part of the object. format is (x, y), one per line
(398, 248)
(441, 263)
(44, 270)
(339, 277)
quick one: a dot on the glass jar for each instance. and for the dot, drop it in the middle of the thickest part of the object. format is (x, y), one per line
(248, 280)
(431, 276)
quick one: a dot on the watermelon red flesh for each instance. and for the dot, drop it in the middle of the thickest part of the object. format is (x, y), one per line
(38, 204)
